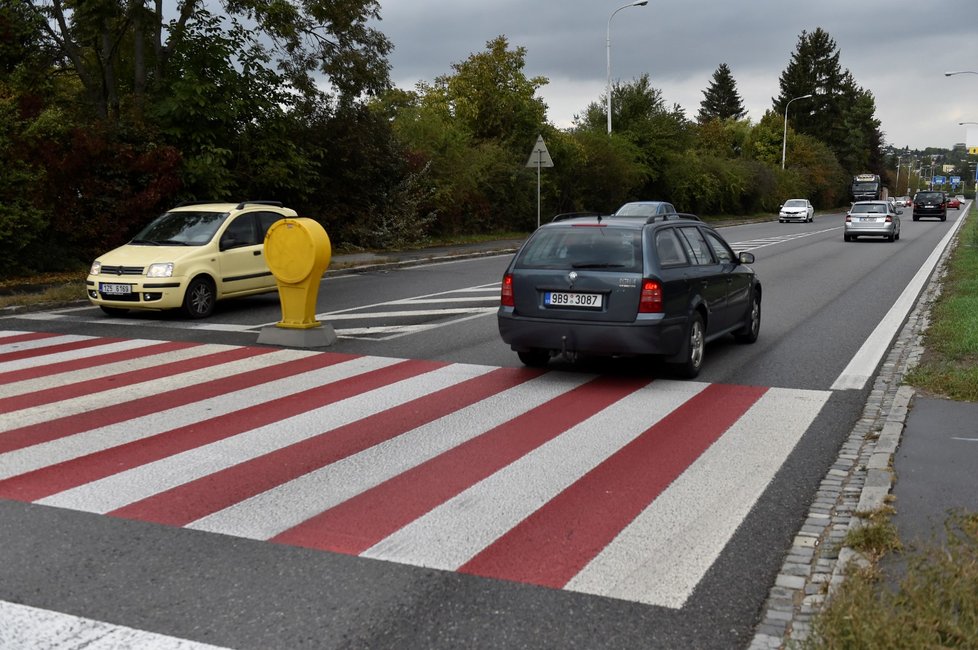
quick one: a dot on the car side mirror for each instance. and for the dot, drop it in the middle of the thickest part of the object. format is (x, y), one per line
(745, 258)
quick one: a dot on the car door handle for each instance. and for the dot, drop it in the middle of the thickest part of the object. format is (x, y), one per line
(256, 253)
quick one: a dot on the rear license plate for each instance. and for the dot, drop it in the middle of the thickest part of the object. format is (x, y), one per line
(115, 289)
(869, 219)
(563, 299)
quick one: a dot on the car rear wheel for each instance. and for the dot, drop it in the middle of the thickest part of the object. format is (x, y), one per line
(114, 311)
(199, 300)
(535, 358)
(753, 325)
(695, 348)
(846, 237)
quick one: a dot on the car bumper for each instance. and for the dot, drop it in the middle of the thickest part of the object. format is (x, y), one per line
(143, 293)
(871, 229)
(652, 336)
(803, 216)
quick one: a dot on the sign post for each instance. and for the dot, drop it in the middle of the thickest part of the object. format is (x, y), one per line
(539, 157)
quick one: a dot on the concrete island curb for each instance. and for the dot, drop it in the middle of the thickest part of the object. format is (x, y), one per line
(860, 481)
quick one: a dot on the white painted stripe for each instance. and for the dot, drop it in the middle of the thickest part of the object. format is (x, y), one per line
(448, 311)
(141, 322)
(140, 482)
(55, 451)
(40, 360)
(267, 514)
(40, 344)
(5, 333)
(97, 372)
(663, 554)
(47, 412)
(862, 366)
(22, 626)
(454, 532)
(439, 301)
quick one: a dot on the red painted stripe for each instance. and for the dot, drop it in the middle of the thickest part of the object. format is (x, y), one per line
(28, 336)
(72, 424)
(554, 543)
(16, 355)
(358, 523)
(109, 382)
(191, 501)
(72, 473)
(83, 363)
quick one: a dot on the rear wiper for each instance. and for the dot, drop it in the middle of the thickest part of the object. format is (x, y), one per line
(596, 265)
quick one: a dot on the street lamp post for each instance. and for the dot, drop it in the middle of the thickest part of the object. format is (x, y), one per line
(950, 74)
(637, 3)
(784, 138)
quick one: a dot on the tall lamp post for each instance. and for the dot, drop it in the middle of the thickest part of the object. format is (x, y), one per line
(637, 3)
(950, 74)
(784, 138)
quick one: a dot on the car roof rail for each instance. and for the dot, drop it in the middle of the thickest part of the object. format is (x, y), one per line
(672, 215)
(573, 215)
(277, 204)
(185, 203)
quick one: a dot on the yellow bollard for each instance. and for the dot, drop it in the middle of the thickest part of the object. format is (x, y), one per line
(297, 252)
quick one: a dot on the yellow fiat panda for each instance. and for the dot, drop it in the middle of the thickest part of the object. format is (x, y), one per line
(188, 258)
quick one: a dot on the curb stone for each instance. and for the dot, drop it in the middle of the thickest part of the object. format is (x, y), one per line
(859, 481)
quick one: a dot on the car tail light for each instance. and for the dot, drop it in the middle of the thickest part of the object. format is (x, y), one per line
(506, 296)
(889, 219)
(848, 218)
(651, 299)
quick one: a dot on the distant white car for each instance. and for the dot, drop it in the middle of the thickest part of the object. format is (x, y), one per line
(796, 210)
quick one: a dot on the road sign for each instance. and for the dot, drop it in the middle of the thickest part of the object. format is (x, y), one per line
(540, 157)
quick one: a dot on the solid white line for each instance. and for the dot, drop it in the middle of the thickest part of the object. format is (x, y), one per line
(664, 553)
(38, 344)
(454, 532)
(448, 311)
(22, 626)
(862, 366)
(267, 514)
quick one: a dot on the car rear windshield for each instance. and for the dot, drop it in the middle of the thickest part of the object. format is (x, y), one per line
(869, 208)
(930, 196)
(584, 247)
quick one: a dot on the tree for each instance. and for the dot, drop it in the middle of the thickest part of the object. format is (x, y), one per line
(721, 100)
(120, 49)
(839, 112)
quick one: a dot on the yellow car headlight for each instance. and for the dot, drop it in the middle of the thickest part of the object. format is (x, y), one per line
(160, 270)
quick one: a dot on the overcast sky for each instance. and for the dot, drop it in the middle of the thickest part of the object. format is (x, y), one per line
(896, 49)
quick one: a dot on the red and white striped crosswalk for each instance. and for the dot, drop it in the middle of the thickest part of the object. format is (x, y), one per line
(617, 486)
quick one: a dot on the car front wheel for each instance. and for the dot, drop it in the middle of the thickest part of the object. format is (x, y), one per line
(696, 347)
(199, 300)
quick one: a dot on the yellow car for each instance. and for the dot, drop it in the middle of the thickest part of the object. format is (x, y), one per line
(189, 258)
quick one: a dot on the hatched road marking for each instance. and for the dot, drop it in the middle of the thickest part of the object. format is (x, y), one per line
(624, 487)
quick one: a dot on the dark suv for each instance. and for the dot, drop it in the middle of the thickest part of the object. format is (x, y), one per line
(930, 204)
(619, 286)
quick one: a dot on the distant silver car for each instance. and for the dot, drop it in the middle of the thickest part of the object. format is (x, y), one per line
(872, 218)
(796, 210)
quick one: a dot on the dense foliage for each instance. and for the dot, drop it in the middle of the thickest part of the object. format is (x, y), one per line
(112, 111)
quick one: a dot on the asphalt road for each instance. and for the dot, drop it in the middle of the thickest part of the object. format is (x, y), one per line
(826, 303)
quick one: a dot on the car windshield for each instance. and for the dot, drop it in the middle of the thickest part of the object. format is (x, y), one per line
(190, 228)
(638, 209)
(869, 208)
(616, 249)
(794, 203)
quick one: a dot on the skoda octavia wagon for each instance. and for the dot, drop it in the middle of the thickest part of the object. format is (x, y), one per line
(619, 286)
